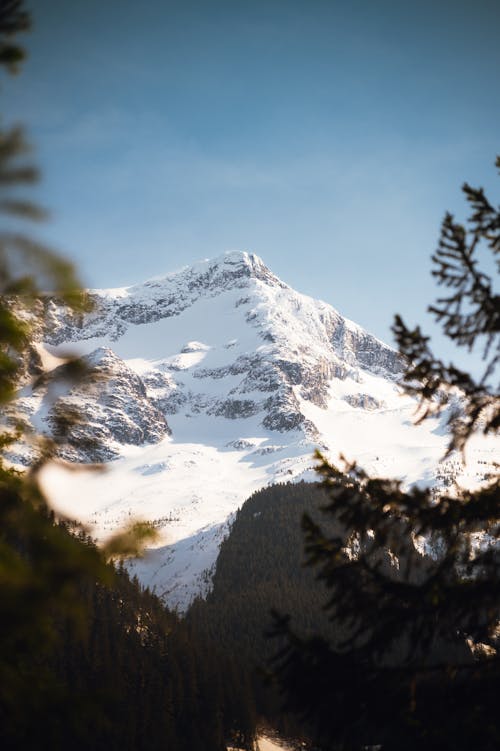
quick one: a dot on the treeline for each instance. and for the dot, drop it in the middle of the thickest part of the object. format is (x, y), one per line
(125, 674)
(128, 674)
(260, 568)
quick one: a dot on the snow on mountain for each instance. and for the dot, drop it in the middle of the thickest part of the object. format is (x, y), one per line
(220, 379)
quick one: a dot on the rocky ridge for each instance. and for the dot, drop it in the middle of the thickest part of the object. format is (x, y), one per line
(205, 385)
(260, 382)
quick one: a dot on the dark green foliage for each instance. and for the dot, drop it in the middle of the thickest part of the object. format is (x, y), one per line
(42, 570)
(469, 314)
(13, 19)
(260, 569)
(413, 661)
(99, 663)
(400, 619)
(26, 266)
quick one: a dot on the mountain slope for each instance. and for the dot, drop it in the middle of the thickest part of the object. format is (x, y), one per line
(226, 379)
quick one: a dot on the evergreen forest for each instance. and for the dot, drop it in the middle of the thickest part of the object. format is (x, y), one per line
(121, 673)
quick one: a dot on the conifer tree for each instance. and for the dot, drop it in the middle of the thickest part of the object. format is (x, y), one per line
(42, 568)
(413, 579)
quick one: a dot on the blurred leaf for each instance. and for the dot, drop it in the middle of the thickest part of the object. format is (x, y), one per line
(23, 209)
(131, 541)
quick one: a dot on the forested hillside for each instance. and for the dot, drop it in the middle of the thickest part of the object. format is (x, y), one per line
(126, 673)
(260, 569)
(123, 675)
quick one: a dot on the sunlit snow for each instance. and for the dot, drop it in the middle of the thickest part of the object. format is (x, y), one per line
(231, 337)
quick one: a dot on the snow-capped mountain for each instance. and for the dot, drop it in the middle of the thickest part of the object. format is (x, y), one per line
(206, 385)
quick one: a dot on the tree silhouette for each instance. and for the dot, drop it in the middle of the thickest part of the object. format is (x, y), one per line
(42, 568)
(469, 314)
(413, 580)
(13, 19)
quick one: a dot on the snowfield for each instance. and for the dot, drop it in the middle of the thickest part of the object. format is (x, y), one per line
(224, 380)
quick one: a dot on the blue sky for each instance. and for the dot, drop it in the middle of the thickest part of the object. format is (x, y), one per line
(327, 137)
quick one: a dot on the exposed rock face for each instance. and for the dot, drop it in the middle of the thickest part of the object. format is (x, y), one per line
(304, 344)
(157, 299)
(364, 401)
(246, 375)
(108, 405)
(164, 392)
(356, 347)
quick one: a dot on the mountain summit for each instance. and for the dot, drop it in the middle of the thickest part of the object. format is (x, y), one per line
(220, 379)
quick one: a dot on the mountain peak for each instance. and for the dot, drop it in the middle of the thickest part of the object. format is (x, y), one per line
(232, 265)
(221, 379)
(237, 257)
(224, 269)
(251, 262)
